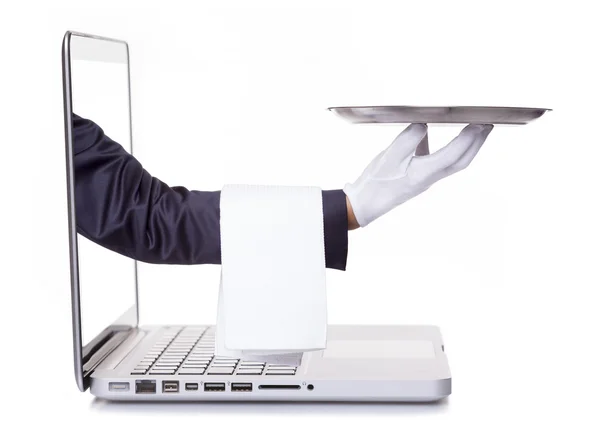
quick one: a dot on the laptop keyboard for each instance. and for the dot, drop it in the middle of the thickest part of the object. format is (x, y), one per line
(190, 350)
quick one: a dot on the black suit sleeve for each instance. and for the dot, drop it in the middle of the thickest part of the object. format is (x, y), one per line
(122, 207)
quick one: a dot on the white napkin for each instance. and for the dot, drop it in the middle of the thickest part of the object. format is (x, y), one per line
(272, 298)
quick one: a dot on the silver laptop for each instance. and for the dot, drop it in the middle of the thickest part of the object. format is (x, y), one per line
(119, 360)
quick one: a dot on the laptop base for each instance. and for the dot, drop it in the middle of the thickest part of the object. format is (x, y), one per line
(361, 364)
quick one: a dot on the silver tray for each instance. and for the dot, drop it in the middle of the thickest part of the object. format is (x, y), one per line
(438, 114)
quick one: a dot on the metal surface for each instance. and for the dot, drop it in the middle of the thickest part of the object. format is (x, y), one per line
(75, 307)
(439, 114)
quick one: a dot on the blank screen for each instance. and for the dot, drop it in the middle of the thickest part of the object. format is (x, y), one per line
(100, 92)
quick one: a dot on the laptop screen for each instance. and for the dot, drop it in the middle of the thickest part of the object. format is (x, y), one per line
(99, 78)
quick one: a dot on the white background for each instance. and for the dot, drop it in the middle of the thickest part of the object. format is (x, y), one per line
(502, 256)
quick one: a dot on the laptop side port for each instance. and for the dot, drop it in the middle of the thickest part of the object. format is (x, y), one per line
(145, 386)
(278, 386)
(170, 386)
(241, 387)
(191, 386)
(118, 386)
(214, 387)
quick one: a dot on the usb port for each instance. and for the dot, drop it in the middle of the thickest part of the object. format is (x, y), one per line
(145, 386)
(241, 387)
(214, 387)
(170, 386)
(191, 386)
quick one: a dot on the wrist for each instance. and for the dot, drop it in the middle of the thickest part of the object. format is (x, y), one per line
(352, 222)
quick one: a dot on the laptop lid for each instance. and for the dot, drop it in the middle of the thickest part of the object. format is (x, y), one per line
(96, 86)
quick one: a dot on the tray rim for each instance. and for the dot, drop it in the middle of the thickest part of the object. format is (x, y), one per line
(331, 108)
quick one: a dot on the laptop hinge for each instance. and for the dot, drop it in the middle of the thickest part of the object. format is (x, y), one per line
(102, 350)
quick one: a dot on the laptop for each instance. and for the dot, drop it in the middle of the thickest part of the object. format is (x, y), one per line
(117, 359)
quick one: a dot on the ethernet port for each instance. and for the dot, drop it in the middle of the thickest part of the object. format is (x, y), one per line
(145, 386)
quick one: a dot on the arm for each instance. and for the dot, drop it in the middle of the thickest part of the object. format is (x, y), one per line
(120, 206)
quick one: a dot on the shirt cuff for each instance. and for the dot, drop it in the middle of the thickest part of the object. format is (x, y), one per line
(335, 224)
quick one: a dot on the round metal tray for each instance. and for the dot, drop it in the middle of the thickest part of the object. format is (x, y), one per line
(439, 114)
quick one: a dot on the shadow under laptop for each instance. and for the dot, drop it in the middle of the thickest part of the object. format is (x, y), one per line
(258, 407)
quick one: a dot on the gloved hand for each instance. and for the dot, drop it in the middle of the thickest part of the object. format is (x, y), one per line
(406, 169)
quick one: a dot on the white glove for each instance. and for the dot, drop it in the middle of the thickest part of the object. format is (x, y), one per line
(406, 169)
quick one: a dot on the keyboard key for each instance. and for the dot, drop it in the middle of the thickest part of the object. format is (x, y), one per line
(221, 370)
(280, 372)
(162, 372)
(137, 373)
(249, 371)
(281, 367)
(191, 371)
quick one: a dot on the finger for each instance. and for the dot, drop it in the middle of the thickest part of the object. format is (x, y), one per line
(451, 153)
(405, 143)
(470, 154)
(403, 147)
(423, 147)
